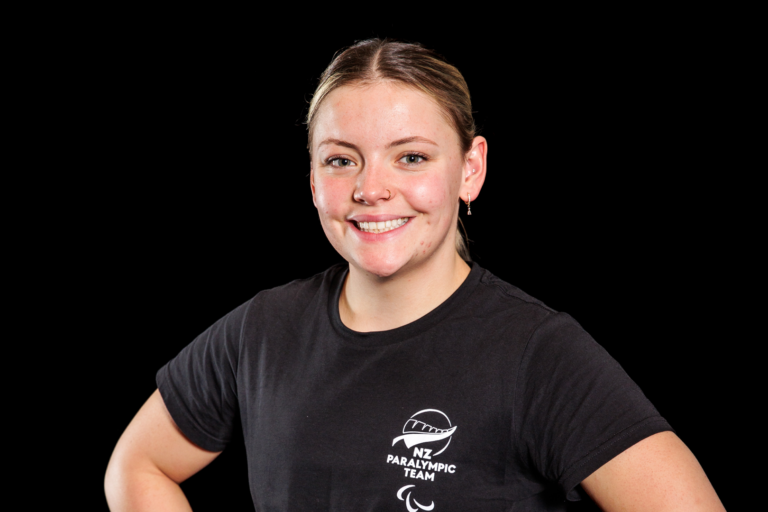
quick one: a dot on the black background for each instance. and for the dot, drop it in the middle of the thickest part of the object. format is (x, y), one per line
(604, 198)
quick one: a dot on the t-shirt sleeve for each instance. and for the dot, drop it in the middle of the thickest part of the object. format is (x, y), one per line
(575, 407)
(199, 385)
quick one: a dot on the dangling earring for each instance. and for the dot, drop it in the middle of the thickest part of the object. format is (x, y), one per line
(469, 208)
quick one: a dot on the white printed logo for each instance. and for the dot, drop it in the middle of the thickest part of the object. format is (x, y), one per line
(407, 500)
(426, 427)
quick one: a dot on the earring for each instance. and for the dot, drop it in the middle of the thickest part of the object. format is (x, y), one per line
(469, 208)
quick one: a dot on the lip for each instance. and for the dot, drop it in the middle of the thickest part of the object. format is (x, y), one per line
(377, 237)
(376, 218)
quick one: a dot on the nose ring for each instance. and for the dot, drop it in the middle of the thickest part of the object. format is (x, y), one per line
(390, 193)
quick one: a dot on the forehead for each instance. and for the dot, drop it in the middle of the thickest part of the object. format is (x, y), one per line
(375, 114)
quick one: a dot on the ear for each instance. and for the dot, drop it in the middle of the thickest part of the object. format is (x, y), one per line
(474, 169)
(312, 184)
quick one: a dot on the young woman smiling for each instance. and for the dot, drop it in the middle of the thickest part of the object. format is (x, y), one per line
(407, 378)
(381, 153)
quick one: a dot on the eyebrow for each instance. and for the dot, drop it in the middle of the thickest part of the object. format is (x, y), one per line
(398, 142)
(338, 142)
(416, 138)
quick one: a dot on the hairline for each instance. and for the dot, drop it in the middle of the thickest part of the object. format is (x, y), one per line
(376, 80)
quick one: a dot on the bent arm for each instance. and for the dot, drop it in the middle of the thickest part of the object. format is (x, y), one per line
(657, 474)
(149, 462)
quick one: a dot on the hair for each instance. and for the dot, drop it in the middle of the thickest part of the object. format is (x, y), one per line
(376, 60)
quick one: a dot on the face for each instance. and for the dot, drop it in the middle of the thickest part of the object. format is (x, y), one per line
(387, 175)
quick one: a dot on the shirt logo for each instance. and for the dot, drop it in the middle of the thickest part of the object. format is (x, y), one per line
(427, 427)
(407, 500)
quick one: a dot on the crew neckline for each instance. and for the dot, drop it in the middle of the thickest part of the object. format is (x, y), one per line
(405, 332)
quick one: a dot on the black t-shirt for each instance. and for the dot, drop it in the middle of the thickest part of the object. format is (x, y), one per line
(492, 401)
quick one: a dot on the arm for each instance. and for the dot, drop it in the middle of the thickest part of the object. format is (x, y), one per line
(149, 462)
(657, 474)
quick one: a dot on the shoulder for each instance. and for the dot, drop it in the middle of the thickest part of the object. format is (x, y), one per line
(290, 299)
(276, 309)
(509, 304)
(542, 334)
(509, 294)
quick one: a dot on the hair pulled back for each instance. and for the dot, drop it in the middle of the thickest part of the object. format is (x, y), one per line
(375, 60)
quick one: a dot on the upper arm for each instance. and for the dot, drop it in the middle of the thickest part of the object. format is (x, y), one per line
(153, 443)
(659, 473)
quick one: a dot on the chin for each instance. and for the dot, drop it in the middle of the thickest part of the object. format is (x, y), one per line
(381, 267)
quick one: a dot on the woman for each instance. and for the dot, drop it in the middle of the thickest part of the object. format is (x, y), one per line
(408, 378)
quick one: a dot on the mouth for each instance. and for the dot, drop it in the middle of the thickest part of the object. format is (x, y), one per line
(381, 227)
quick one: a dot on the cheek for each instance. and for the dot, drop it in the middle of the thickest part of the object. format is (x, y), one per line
(330, 198)
(432, 194)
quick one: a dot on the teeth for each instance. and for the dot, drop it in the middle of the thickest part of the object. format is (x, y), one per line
(381, 227)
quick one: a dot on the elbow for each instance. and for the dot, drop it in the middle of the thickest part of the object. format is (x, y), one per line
(123, 479)
(113, 478)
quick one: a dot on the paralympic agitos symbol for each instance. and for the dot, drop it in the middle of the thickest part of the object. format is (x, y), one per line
(417, 431)
(407, 500)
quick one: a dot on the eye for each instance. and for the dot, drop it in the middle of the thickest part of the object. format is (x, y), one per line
(413, 159)
(339, 161)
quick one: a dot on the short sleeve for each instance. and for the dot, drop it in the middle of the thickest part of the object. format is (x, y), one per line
(199, 386)
(575, 407)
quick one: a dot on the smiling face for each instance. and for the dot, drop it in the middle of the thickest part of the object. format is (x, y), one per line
(384, 153)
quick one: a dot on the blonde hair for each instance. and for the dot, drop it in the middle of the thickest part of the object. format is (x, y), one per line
(374, 60)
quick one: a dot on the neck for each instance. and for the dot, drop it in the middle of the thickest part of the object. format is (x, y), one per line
(372, 303)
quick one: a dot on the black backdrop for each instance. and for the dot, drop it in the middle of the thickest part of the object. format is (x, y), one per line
(595, 201)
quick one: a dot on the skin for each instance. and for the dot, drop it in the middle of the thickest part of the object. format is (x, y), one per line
(151, 459)
(359, 168)
(658, 473)
(393, 280)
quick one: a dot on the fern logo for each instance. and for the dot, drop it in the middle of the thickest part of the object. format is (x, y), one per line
(427, 426)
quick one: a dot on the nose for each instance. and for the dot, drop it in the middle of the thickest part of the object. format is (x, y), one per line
(372, 186)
